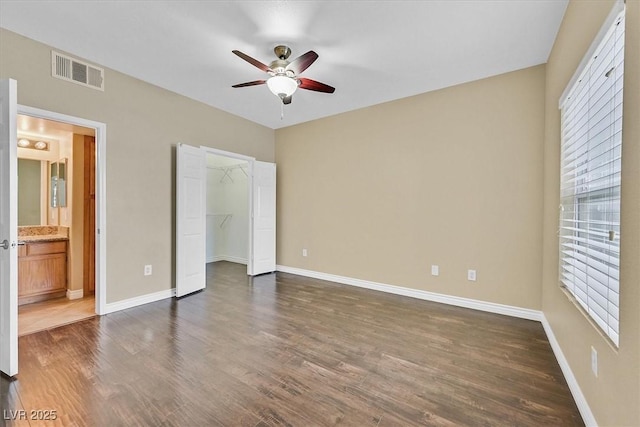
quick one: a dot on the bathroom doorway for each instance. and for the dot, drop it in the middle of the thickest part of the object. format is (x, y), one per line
(57, 263)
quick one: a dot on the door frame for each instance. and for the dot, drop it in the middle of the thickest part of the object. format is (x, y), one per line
(250, 161)
(101, 199)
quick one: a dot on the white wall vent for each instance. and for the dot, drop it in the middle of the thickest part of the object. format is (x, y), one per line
(73, 70)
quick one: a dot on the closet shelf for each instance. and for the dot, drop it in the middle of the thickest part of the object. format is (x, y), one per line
(228, 169)
(227, 217)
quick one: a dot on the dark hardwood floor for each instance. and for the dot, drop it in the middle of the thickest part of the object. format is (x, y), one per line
(283, 350)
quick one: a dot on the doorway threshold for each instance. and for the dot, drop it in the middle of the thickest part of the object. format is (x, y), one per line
(50, 314)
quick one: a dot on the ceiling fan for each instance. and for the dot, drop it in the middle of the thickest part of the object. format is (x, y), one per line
(284, 78)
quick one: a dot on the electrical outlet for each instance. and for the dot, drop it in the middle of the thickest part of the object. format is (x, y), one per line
(148, 270)
(304, 252)
(594, 361)
(471, 275)
(435, 270)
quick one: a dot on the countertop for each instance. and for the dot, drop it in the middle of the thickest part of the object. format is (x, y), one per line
(42, 233)
(42, 238)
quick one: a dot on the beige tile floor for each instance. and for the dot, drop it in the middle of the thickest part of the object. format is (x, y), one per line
(53, 313)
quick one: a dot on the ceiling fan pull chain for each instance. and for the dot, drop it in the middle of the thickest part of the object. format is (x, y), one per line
(282, 111)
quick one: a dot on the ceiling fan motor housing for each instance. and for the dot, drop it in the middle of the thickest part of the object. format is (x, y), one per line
(282, 51)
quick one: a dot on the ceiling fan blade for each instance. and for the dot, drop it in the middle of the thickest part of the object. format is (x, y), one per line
(302, 62)
(287, 100)
(253, 83)
(314, 85)
(252, 61)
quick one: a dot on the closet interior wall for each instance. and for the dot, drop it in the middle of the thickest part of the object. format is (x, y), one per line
(227, 210)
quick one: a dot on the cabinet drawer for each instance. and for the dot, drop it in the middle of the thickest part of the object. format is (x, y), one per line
(43, 248)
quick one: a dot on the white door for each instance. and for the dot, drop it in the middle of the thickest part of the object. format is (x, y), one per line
(264, 218)
(191, 196)
(8, 229)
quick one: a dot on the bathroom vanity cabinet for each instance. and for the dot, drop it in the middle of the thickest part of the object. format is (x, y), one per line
(42, 271)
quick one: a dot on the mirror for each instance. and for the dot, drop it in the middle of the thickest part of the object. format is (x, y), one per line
(53, 184)
(58, 183)
(62, 183)
(29, 192)
(42, 190)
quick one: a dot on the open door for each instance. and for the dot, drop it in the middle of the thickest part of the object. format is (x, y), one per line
(264, 218)
(191, 194)
(8, 229)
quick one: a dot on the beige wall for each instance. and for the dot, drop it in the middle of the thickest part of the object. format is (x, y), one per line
(452, 177)
(144, 123)
(614, 396)
(465, 177)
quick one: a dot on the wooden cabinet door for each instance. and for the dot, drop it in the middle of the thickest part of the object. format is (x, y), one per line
(42, 272)
(41, 276)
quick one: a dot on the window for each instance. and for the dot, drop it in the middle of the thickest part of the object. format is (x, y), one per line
(589, 237)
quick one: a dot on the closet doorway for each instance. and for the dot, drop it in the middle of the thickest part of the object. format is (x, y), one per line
(227, 217)
(204, 216)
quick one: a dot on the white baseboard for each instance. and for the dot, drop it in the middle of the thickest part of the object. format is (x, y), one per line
(229, 258)
(523, 313)
(136, 301)
(235, 259)
(572, 382)
(508, 310)
(77, 294)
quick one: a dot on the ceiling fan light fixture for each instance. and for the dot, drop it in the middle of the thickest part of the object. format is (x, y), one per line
(282, 86)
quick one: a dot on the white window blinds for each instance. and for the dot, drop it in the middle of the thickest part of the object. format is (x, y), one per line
(590, 182)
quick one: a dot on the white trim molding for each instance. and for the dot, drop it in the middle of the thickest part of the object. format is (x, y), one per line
(140, 300)
(572, 382)
(507, 310)
(101, 193)
(76, 294)
(228, 258)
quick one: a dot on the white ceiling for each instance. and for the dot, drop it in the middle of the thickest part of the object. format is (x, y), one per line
(29, 126)
(370, 51)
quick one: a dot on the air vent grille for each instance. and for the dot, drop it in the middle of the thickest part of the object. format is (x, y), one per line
(73, 70)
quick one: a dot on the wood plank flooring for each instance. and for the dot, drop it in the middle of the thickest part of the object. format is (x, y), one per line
(282, 350)
(49, 314)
